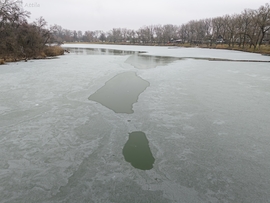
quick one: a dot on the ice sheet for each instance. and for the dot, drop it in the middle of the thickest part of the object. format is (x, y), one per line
(207, 123)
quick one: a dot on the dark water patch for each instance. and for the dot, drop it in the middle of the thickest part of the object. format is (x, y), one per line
(137, 151)
(121, 92)
(147, 61)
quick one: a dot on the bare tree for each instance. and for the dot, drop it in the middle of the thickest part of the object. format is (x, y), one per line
(244, 24)
(262, 19)
(102, 37)
(159, 33)
(230, 28)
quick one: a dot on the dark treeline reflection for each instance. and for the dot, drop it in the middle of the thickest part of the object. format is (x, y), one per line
(100, 51)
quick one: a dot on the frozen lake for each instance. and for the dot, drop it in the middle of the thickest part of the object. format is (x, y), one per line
(110, 123)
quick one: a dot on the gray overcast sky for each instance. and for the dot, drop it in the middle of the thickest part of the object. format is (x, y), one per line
(132, 14)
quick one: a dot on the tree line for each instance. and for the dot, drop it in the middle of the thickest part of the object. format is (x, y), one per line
(20, 39)
(249, 28)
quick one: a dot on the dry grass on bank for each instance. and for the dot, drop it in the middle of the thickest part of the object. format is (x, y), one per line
(263, 49)
(9, 60)
(53, 51)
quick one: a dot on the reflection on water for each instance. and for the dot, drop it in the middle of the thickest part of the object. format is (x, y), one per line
(146, 61)
(137, 151)
(100, 51)
(139, 60)
(120, 92)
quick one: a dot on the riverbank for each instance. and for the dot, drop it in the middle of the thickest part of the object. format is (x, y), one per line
(49, 52)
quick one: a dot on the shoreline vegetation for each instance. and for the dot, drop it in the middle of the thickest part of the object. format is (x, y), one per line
(248, 31)
(49, 52)
(20, 40)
